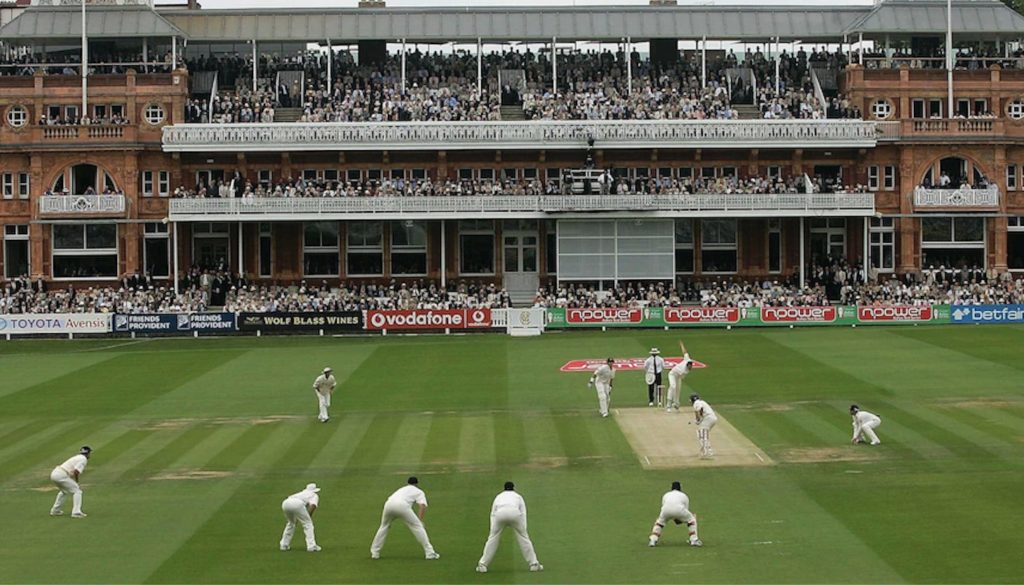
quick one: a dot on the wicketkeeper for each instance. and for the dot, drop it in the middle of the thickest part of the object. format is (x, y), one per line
(675, 506)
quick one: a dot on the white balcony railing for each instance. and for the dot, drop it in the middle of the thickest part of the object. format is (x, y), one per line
(988, 198)
(519, 135)
(184, 209)
(82, 204)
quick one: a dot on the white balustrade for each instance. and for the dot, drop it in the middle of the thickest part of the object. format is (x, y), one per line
(82, 204)
(328, 206)
(966, 197)
(522, 135)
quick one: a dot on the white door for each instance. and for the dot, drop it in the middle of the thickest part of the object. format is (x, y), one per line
(520, 254)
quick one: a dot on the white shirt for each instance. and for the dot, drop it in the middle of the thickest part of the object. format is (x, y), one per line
(604, 374)
(703, 408)
(675, 500)
(654, 364)
(324, 384)
(76, 463)
(509, 499)
(308, 497)
(862, 419)
(409, 495)
(683, 367)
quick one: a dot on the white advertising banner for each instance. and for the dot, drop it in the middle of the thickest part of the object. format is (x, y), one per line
(54, 323)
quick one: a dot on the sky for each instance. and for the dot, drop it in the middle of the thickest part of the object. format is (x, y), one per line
(420, 3)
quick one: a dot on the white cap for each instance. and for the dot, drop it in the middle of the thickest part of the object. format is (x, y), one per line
(655, 351)
(328, 370)
(311, 487)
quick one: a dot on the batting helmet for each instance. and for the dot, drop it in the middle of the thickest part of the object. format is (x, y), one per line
(694, 398)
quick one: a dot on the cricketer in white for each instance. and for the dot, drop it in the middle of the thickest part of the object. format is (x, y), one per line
(399, 506)
(675, 506)
(508, 510)
(66, 476)
(675, 380)
(706, 419)
(299, 508)
(864, 425)
(324, 388)
(602, 379)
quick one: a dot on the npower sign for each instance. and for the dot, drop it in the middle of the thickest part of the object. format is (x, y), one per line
(428, 319)
(702, 315)
(603, 316)
(799, 314)
(895, 313)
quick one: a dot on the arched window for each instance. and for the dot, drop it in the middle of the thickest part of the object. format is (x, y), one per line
(84, 179)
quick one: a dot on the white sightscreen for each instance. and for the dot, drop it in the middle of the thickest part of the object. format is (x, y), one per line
(616, 249)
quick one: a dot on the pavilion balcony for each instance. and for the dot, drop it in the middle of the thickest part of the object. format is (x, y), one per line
(82, 205)
(515, 206)
(928, 199)
(573, 134)
(960, 129)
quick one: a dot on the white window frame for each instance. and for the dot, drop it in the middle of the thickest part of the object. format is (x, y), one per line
(775, 227)
(17, 233)
(889, 178)
(147, 184)
(410, 249)
(873, 177)
(321, 249)
(266, 231)
(880, 230)
(154, 114)
(364, 249)
(1015, 225)
(478, 231)
(24, 185)
(17, 116)
(691, 246)
(1011, 178)
(164, 183)
(719, 246)
(85, 251)
(156, 231)
(8, 185)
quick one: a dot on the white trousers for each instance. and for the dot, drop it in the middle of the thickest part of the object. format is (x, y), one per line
(604, 397)
(675, 384)
(295, 512)
(510, 518)
(68, 487)
(324, 400)
(400, 511)
(677, 514)
(868, 430)
(704, 434)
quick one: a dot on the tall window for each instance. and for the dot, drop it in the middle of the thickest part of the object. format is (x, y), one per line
(1011, 178)
(24, 185)
(266, 250)
(889, 178)
(873, 177)
(320, 254)
(953, 242)
(882, 235)
(409, 248)
(1015, 243)
(365, 248)
(164, 183)
(85, 250)
(684, 246)
(147, 183)
(476, 247)
(8, 185)
(156, 251)
(775, 245)
(16, 259)
(718, 245)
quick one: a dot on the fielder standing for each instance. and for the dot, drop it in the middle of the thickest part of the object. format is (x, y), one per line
(675, 379)
(324, 387)
(706, 419)
(299, 508)
(66, 477)
(675, 506)
(509, 510)
(602, 379)
(653, 367)
(864, 424)
(399, 506)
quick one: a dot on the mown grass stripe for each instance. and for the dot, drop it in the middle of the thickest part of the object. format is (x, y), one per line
(337, 453)
(509, 441)
(410, 442)
(476, 441)
(24, 432)
(952, 441)
(375, 444)
(209, 446)
(49, 452)
(443, 440)
(574, 435)
(305, 448)
(987, 425)
(169, 454)
(541, 436)
(237, 450)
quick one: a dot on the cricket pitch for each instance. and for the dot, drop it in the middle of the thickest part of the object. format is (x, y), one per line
(663, 440)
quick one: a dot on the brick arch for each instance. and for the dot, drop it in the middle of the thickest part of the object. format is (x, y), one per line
(925, 167)
(66, 164)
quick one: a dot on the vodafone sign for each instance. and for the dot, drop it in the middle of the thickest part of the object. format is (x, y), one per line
(428, 319)
(895, 313)
(599, 316)
(702, 315)
(798, 314)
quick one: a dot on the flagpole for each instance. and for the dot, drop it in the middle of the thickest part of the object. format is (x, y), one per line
(950, 57)
(85, 68)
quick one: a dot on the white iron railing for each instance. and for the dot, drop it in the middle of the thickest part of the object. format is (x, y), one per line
(522, 135)
(967, 197)
(518, 204)
(82, 204)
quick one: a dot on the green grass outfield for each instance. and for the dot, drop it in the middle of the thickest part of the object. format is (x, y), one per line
(940, 501)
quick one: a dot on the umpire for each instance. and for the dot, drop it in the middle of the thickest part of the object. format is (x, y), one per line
(653, 367)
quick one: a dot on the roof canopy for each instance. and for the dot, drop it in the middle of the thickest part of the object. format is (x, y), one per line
(41, 24)
(976, 18)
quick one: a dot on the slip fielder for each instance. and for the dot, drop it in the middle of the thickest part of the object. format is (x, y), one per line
(602, 380)
(864, 425)
(675, 506)
(399, 507)
(299, 508)
(324, 388)
(509, 511)
(66, 476)
(705, 418)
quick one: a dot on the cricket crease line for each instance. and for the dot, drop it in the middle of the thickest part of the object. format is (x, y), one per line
(105, 347)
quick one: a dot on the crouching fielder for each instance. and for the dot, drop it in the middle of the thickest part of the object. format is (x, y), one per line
(675, 506)
(509, 510)
(706, 420)
(399, 507)
(864, 425)
(65, 476)
(298, 509)
(602, 379)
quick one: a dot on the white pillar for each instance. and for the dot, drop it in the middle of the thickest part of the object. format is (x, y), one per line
(330, 67)
(241, 250)
(444, 259)
(802, 268)
(145, 53)
(860, 49)
(778, 81)
(554, 66)
(174, 53)
(479, 68)
(174, 244)
(867, 262)
(629, 65)
(85, 67)
(704, 61)
(950, 57)
(255, 67)
(403, 64)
